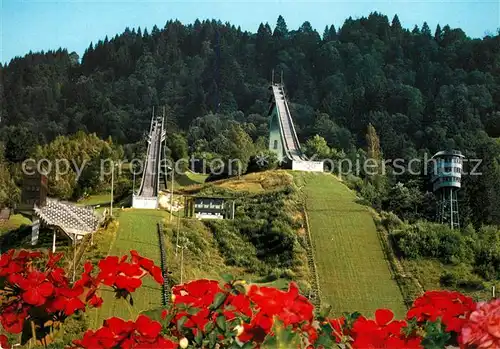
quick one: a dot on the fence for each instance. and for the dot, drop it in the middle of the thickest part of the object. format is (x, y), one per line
(163, 264)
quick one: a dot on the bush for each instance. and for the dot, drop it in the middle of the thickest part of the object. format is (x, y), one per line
(463, 279)
(487, 262)
(390, 220)
(288, 274)
(432, 240)
(449, 279)
(353, 182)
(472, 284)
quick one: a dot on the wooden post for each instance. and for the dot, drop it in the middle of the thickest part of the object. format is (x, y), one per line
(172, 195)
(112, 182)
(182, 264)
(54, 242)
(74, 257)
(177, 235)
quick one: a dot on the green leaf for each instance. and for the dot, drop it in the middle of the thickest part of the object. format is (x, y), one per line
(193, 311)
(209, 327)
(198, 338)
(153, 314)
(181, 322)
(435, 335)
(284, 338)
(228, 278)
(350, 318)
(212, 339)
(240, 288)
(221, 322)
(325, 312)
(218, 300)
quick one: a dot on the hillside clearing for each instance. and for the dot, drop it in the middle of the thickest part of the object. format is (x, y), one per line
(353, 272)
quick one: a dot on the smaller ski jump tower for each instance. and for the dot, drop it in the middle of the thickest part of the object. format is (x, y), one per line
(446, 182)
(282, 136)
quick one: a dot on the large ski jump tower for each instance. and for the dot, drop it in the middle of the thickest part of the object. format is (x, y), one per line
(446, 182)
(282, 136)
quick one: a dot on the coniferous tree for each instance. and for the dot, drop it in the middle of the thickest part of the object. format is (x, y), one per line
(396, 24)
(438, 33)
(426, 30)
(281, 29)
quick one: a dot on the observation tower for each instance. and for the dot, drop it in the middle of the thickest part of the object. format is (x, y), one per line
(446, 182)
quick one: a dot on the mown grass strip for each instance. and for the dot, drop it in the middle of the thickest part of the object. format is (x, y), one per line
(353, 272)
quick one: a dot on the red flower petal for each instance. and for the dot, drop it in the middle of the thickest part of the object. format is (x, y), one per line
(383, 316)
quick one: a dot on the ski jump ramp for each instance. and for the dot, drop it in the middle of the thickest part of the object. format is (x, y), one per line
(147, 196)
(282, 136)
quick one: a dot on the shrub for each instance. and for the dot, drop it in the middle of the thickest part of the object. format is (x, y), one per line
(472, 284)
(449, 279)
(433, 240)
(390, 220)
(288, 274)
(353, 182)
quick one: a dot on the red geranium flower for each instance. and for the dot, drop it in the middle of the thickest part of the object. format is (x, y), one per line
(290, 307)
(57, 277)
(147, 327)
(453, 308)
(53, 259)
(109, 269)
(8, 265)
(117, 333)
(4, 342)
(67, 300)
(13, 320)
(337, 328)
(381, 332)
(36, 288)
(236, 305)
(198, 293)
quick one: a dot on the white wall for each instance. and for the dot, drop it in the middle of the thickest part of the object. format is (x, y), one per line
(208, 216)
(146, 203)
(308, 166)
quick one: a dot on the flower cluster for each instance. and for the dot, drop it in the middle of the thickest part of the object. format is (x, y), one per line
(208, 314)
(37, 290)
(28, 290)
(125, 277)
(117, 333)
(483, 328)
(291, 308)
(382, 332)
(452, 308)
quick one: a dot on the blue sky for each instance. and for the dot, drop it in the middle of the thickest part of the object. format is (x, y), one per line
(49, 24)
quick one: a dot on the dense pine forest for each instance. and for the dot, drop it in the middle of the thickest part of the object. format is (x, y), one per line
(423, 90)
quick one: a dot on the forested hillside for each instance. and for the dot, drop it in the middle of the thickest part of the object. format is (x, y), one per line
(422, 89)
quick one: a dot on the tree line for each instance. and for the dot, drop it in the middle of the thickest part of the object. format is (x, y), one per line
(422, 90)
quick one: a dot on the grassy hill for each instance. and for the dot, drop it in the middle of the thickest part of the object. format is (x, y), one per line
(352, 269)
(240, 247)
(136, 231)
(353, 272)
(267, 242)
(212, 248)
